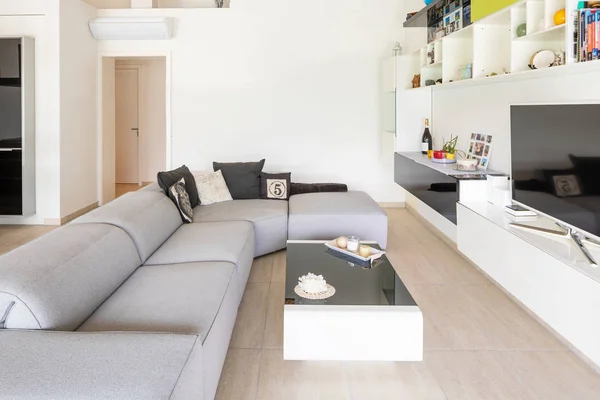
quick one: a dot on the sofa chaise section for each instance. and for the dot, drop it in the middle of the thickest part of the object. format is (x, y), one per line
(325, 216)
(115, 365)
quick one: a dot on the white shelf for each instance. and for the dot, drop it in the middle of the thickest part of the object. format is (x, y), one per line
(447, 169)
(435, 64)
(556, 33)
(562, 249)
(490, 46)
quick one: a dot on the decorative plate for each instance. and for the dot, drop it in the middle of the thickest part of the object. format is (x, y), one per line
(315, 296)
(542, 59)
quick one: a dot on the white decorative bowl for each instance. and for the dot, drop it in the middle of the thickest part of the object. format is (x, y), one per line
(466, 165)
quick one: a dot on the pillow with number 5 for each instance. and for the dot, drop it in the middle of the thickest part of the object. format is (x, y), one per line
(275, 186)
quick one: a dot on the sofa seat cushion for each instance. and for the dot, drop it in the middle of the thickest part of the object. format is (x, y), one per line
(177, 298)
(110, 365)
(149, 218)
(269, 218)
(230, 241)
(210, 241)
(325, 216)
(58, 280)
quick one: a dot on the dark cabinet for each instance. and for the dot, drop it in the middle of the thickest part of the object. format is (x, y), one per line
(17, 150)
(439, 191)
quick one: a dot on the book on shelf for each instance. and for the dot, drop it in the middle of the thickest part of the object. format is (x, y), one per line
(586, 35)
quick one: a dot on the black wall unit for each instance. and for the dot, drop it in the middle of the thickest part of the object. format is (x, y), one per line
(417, 179)
(11, 181)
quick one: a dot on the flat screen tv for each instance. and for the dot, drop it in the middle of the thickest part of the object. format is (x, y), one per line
(555, 161)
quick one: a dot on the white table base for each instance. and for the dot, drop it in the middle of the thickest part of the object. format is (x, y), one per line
(366, 333)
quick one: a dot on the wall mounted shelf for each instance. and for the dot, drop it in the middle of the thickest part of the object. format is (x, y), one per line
(489, 50)
(420, 18)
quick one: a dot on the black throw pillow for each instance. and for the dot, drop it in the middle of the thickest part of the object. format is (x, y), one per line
(275, 186)
(302, 188)
(588, 170)
(242, 179)
(179, 195)
(169, 178)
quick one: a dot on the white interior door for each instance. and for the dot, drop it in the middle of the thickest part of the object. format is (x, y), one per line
(127, 169)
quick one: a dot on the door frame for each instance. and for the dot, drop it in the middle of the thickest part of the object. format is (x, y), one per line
(100, 123)
(141, 112)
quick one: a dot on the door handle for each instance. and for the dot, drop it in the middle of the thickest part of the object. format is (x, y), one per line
(137, 131)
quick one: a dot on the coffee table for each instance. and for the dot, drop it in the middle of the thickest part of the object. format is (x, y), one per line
(371, 316)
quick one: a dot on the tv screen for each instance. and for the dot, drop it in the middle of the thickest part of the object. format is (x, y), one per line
(555, 153)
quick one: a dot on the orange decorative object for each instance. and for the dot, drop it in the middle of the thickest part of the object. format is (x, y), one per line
(560, 17)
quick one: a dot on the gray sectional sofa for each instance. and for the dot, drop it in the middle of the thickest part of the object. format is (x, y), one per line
(127, 302)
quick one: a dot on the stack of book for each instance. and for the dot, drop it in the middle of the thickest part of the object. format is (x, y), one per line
(586, 43)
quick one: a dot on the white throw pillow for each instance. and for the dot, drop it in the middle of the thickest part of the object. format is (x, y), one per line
(212, 188)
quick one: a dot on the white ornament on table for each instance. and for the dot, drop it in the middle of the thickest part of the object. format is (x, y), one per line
(312, 283)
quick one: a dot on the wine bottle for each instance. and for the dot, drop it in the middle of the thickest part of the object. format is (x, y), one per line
(427, 140)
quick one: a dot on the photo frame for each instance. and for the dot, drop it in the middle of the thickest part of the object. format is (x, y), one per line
(480, 149)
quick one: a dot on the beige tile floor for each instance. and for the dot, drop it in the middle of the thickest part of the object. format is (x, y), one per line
(13, 236)
(479, 345)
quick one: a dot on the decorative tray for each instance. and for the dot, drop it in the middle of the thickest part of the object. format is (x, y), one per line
(375, 253)
(443, 161)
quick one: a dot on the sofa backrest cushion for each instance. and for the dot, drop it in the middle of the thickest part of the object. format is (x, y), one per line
(148, 217)
(58, 280)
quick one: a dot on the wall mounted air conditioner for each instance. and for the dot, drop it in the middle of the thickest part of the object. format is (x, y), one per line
(121, 28)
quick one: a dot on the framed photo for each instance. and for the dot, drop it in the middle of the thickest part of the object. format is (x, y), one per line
(480, 149)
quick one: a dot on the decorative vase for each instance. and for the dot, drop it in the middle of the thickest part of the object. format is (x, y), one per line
(521, 30)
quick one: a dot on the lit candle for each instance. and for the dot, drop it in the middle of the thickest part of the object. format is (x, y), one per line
(353, 243)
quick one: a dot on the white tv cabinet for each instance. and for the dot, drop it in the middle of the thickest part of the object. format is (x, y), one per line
(549, 276)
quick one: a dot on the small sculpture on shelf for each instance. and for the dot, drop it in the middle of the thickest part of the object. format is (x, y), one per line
(429, 82)
(416, 82)
(439, 81)
(431, 57)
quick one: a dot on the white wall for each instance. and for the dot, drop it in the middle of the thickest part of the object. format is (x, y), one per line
(153, 118)
(78, 108)
(486, 109)
(107, 126)
(297, 83)
(39, 20)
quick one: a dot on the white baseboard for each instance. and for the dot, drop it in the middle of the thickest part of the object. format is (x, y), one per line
(392, 205)
(70, 217)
